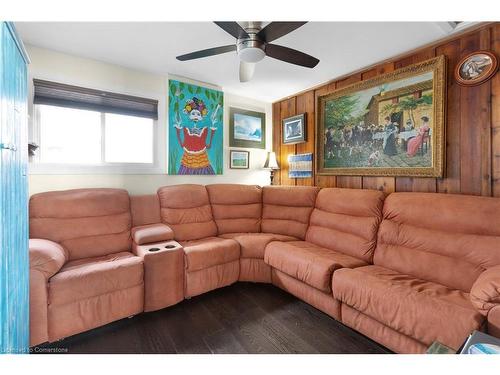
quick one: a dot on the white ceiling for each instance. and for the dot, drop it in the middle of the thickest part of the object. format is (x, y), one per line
(342, 47)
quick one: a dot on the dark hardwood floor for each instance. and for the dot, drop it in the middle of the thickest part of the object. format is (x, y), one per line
(242, 318)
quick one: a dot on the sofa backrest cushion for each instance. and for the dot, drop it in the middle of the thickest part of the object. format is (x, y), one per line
(347, 220)
(286, 209)
(145, 209)
(186, 209)
(86, 222)
(445, 238)
(236, 208)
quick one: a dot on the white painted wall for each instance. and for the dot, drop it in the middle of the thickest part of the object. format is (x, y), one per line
(59, 67)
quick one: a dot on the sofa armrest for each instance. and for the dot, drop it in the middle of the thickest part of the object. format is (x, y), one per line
(485, 293)
(46, 256)
(152, 233)
(494, 321)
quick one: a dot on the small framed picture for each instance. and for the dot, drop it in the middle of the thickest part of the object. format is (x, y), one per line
(247, 128)
(239, 159)
(294, 129)
(476, 68)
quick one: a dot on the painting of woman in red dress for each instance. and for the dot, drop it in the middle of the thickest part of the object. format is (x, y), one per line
(416, 142)
(195, 140)
(195, 157)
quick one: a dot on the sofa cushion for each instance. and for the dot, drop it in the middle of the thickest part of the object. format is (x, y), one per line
(347, 220)
(86, 222)
(307, 262)
(286, 209)
(445, 238)
(420, 309)
(186, 209)
(253, 245)
(91, 277)
(145, 209)
(236, 208)
(209, 252)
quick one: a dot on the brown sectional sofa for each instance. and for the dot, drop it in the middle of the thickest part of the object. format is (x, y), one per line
(404, 269)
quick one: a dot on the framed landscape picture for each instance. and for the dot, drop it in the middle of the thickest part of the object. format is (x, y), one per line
(294, 129)
(390, 125)
(247, 128)
(239, 159)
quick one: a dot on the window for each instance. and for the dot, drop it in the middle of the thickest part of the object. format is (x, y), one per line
(69, 135)
(75, 136)
(82, 130)
(128, 139)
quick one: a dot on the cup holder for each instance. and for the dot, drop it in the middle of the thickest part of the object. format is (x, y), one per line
(154, 249)
(169, 246)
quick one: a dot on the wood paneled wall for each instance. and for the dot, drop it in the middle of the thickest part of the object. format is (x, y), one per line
(472, 125)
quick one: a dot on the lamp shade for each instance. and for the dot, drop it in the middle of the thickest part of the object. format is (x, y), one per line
(271, 162)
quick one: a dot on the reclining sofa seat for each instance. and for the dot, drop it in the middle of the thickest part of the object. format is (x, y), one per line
(82, 273)
(342, 233)
(254, 217)
(211, 262)
(436, 273)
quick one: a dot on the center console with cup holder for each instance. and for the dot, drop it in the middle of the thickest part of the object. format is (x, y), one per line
(163, 265)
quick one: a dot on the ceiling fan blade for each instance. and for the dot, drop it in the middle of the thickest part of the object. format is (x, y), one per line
(246, 71)
(291, 56)
(234, 29)
(207, 52)
(276, 30)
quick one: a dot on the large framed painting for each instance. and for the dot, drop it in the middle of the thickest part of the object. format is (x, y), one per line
(247, 128)
(390, 125)
(195, 129)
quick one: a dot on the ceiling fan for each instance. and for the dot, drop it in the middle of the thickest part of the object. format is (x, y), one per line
(253, 43)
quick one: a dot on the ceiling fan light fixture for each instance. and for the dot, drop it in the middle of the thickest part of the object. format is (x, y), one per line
(253, 43)
(251, 51)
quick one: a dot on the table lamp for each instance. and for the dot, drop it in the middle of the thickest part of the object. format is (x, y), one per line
(271, 164)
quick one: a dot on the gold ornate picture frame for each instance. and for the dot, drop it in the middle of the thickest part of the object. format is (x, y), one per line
(389, 125)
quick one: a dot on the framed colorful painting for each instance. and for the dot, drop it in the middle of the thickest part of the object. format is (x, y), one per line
(300, 165)
(247, 128)
(195, 129)
(390, 125)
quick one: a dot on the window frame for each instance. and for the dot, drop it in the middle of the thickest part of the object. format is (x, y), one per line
(38, 167)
